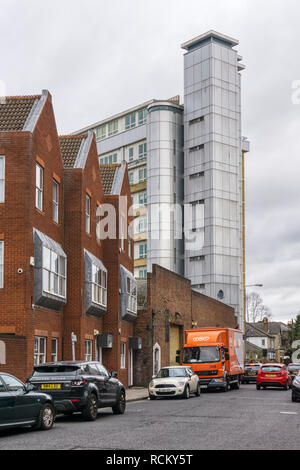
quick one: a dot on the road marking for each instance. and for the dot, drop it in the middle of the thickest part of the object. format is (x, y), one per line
(288, 413)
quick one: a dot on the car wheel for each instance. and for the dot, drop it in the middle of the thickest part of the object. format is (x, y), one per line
(257, 387)
(186, 393)
(286, 387)
(46, 418)
(198, 391)
(294, 399)
(90, 412)
(120, 407)
(152, 397)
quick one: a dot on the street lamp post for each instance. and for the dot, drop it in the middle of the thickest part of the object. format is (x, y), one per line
(246, 313)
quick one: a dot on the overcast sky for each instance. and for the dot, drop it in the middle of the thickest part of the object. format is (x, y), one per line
(98, 58)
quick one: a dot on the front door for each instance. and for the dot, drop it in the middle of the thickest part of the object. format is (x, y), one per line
(175, 343)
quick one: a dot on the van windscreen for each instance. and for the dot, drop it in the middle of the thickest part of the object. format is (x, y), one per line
(201, 354)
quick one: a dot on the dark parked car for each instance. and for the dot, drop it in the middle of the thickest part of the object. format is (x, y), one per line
(80, 386)
(20, 406)
(293, 370)
(296, 388)
(250, 373)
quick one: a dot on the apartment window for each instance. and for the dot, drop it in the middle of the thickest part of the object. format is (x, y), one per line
(131, 178)
(197, 258)
(54, 273)
(263, 342)
(54, 350)
(99, 286)
(131, 296)
(2, 178)
(142, 224)
(142, 273)
(198, 286)
(131, 154)
(143, 250)
(143, 116)
(1, 264)
(194, 121)
(142, 150)
(122, 232)
(39, 350)
(109, 159)
(142, 175)
(101, 132)
(130, 121)
(87, 213)
(39, 187)
(88, 348)
(55, 201)
(142, 199)
(113, 128)
(123, 356)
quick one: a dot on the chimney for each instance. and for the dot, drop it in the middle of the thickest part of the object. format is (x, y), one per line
(266, 325)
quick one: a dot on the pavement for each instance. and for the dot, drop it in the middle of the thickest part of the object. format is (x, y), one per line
(136, 393)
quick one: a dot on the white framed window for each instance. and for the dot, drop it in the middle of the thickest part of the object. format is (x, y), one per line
(142, 175)
(54, 349)
(143, 250)
(99, 286)
(101, 132)
(142, 224)
(142, 150)
(39, 350)
(142, 116)
(54, 273)
(39, 175)
(131, 175)
(130, 121)
(1, 264)
(2, 178)
(55, 201)
(142, 273)
(88, 348)
(87, 213)
(113, 127)
(131, 154)
(142, 199)
(131, 297)
(123, 356)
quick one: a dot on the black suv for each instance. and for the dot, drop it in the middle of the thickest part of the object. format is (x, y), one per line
(80, 386)
(250, 373)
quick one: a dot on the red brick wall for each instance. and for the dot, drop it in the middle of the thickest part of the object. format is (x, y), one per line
(16, 349)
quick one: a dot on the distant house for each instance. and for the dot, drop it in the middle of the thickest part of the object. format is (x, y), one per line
(280, 332)
(262, 340)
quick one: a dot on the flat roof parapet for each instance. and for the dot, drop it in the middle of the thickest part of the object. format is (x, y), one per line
(207, 37)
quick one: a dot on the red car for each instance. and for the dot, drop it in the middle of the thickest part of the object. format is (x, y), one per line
(273, 375)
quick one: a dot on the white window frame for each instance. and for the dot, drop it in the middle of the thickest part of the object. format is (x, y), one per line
(99, 286)
(1, 264)
(54, 355)
(113, 127)
(143, 172)
(131, 154)
(131, 178)
(88, 350)
(143, 150)
(101, 132)
(2, 180)
(39, 186)
(142, 224)
(142, 116)
(55, 201)
(40, 357)
(122, 355)
(144, 196)
(144, 254)
(87, 213)
(54, 277)
(130, 121)
(131, 299)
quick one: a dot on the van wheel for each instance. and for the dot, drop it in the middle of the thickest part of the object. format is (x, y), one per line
(120, 407)
(186, 393)
(90, 412)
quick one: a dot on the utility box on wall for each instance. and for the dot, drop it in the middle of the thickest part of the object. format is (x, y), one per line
(105, 340)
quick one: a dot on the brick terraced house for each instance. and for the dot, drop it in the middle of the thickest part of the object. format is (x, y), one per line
(57, 277)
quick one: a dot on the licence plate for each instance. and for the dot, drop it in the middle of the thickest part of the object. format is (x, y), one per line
(167, 390)
(51, 386)
(251, 373)
(271, 375)
(203, 386)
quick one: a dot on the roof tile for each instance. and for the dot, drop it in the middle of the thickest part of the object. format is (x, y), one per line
(14, 111)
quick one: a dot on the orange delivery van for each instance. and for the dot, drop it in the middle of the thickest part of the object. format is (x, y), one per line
(216, 356)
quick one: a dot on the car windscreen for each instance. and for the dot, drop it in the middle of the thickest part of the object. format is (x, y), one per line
(198, 355)
(271, 369)
(294, 367)
(256, 367)
(59, 370)
(176, 372)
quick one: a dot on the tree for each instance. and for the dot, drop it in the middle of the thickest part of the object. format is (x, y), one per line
(255, 309)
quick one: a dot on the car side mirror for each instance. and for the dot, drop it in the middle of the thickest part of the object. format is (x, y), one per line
(29, 388)
(178, 359)
(227, 357)
(114, 375)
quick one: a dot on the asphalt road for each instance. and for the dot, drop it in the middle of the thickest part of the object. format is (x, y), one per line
(241, 419)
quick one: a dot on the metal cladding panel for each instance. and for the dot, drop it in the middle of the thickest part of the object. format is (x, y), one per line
(122, 139)
(212, 120)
